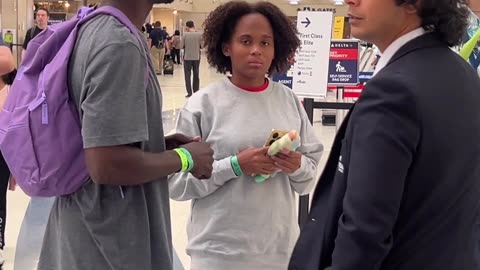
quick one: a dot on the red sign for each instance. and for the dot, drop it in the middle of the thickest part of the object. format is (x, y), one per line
(343, 54)
(350, 91)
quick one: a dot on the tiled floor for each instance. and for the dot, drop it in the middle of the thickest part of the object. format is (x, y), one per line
(27, 245)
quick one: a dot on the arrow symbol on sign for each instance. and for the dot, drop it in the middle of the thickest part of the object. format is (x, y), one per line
(306, 22)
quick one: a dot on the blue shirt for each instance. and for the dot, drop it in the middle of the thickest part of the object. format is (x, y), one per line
(157, 35)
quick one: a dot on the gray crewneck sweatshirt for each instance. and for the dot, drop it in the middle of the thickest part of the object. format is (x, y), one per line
(236, 223)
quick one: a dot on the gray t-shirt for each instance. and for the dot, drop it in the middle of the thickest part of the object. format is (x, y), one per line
(192, 43)
(95, 228)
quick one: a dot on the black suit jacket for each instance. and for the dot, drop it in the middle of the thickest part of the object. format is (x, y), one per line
(401, 189)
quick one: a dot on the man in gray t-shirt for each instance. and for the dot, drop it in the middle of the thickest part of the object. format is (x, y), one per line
(192, 43)
(120, 219)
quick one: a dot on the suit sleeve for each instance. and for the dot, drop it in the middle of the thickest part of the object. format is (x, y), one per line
(184, 186)
(383, 142)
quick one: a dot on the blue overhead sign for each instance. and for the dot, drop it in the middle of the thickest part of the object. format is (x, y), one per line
(284, 79)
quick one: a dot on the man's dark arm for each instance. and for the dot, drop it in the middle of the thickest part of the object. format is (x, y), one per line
(114, 119)
(112, 165)
(385, 135)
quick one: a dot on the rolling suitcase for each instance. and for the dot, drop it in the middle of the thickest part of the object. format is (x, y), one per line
(168, 65)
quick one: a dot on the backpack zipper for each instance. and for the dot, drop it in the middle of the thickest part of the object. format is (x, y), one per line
(44, 113)
(41, 101)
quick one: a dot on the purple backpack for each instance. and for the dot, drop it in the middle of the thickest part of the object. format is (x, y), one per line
(40, 132)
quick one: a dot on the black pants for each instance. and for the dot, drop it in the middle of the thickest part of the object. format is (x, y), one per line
(176, 56)
(188, 66)
(4, 177)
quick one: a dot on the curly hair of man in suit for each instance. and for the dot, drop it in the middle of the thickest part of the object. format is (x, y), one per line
(447, 18)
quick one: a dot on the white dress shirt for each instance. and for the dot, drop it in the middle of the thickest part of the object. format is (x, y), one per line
(393, 48)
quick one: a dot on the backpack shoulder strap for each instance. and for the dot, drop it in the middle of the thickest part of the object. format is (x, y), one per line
(109, 10)
(32, 32)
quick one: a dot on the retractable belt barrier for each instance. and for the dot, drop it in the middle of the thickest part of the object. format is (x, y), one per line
(310, 105)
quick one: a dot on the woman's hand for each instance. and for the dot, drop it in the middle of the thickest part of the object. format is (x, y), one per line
(288, 161)
(255, 161)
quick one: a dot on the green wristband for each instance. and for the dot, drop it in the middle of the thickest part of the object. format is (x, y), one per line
(183, 158)
(236, 166)
(189, 157)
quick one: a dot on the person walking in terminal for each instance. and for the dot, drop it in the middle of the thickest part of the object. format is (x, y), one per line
(176, 42)
(42, 15)
(158, 40)
(401, 189)
(237, 223)
(121, 218)
(191, 44)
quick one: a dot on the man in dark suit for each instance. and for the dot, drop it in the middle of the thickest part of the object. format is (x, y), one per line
(401, 189)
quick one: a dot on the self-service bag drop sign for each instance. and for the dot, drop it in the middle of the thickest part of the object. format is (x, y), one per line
(343, 67)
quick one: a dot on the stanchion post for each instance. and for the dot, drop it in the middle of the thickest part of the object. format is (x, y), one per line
(304, 201)
(340, 114)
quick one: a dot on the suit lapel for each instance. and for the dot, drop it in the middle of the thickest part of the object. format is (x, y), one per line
(328, 174)
(428, 40)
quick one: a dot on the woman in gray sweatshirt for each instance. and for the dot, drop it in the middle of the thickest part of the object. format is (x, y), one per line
(237, 223)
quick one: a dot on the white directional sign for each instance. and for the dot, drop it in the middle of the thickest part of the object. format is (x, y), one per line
(311, 69)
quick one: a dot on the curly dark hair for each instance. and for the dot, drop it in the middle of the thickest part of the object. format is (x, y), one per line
(220, 26)
(447, 18)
